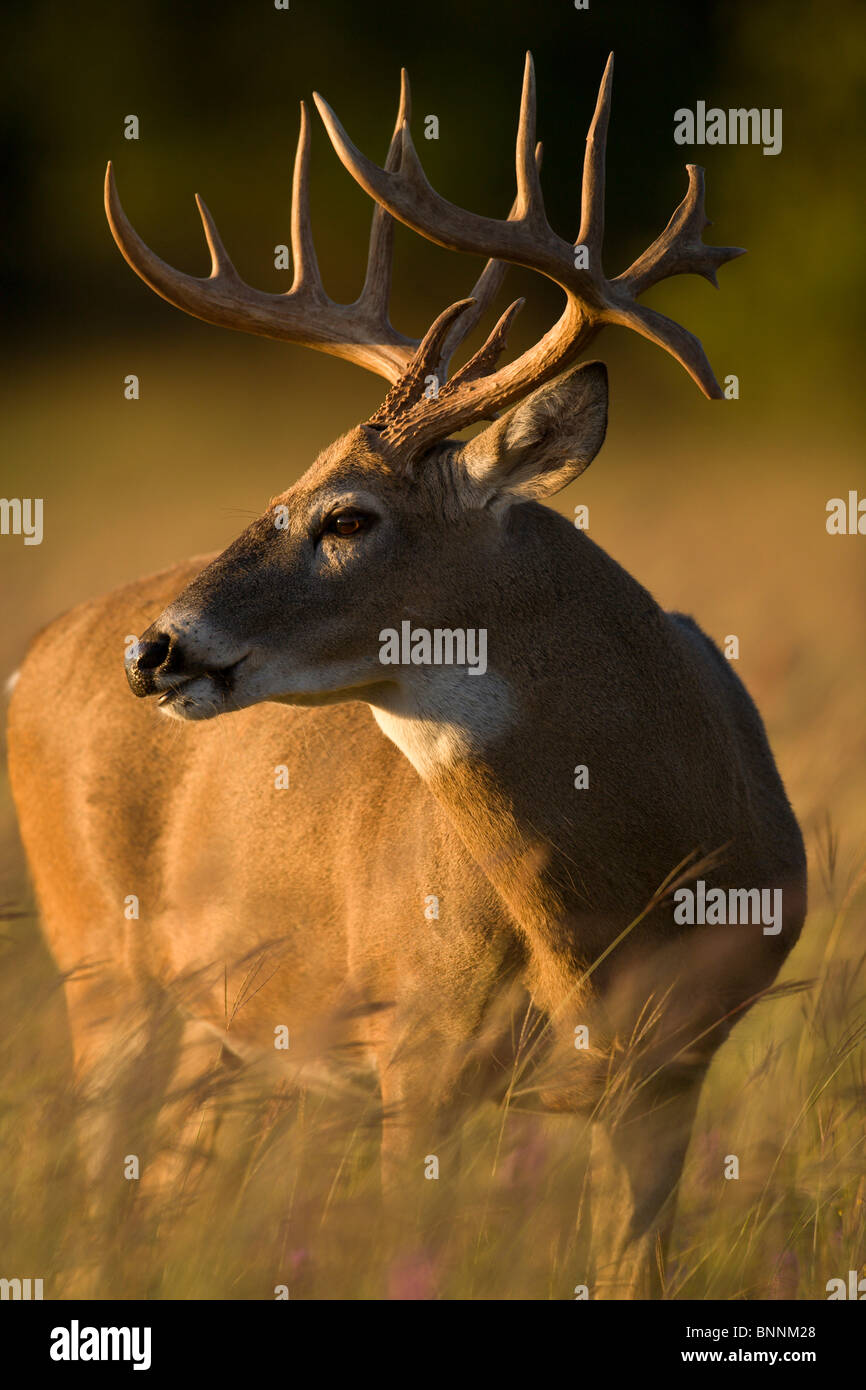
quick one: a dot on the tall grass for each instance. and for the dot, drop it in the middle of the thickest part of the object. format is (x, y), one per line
(287, 1193)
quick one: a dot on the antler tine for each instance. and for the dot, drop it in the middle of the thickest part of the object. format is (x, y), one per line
(170, 284)
(307, 282)
(679, 249)
(483, 292)
(486, 288)
(485, 359)
(678, 341)
(529, 205)
(591, 234)
(377, 284)
(220, 262)
(413, 381)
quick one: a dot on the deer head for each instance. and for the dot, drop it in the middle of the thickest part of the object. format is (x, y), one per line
(398, 518)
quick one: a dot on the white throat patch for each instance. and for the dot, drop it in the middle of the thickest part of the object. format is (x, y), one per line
(440, 716)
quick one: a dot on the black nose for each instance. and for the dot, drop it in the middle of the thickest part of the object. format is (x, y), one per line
(153, 653)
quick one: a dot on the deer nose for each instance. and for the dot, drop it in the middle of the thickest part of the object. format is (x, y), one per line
(153, 651)
(155, 654)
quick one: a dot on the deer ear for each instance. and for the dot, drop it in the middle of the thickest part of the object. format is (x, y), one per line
(546, 441)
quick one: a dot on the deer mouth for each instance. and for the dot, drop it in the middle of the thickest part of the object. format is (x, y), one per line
(201, 694)
(175, 695)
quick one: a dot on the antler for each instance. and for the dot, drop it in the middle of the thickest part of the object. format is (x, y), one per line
(359, 332)
(526, 238)
(412, 416)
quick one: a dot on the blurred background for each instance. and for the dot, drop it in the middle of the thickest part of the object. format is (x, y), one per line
(718, 508)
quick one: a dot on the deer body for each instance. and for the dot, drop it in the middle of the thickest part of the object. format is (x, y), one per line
(262, 907)
(305, 907)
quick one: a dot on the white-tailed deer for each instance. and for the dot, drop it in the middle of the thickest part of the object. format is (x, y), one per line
(411, 779)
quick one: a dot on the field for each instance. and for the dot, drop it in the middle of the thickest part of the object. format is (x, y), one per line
(722, 516)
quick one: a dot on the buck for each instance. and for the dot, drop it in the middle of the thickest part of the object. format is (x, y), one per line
(414, 783)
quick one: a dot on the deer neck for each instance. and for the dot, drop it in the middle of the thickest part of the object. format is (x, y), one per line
(498, 751)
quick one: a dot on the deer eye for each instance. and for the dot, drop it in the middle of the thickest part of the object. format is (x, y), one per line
(347, 523)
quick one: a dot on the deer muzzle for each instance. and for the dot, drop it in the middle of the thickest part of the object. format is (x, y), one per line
(165, 662)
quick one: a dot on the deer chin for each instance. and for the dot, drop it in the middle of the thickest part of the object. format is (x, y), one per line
(200, 697)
